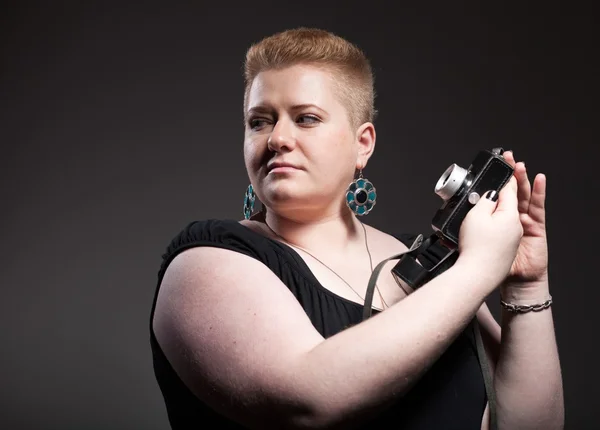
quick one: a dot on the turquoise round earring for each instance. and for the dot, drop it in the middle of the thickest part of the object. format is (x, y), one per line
(249, 199)
(361, 195)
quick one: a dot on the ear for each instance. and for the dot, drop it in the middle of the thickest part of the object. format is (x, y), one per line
(365, 138)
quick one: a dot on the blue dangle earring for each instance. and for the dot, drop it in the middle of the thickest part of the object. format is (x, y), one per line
(361, 195)
(249, 199)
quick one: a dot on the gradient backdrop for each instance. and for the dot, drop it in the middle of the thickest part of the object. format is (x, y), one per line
(121, 123)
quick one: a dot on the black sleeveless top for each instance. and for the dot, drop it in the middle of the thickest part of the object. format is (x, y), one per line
(450, 395)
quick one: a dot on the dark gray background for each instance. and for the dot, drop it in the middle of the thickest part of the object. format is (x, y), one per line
(120, 124)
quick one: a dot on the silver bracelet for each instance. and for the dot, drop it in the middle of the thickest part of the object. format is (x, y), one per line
(522, 309)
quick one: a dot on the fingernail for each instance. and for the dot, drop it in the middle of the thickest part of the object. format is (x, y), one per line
(492, 195)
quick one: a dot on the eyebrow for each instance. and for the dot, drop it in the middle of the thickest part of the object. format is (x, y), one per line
(267, 109)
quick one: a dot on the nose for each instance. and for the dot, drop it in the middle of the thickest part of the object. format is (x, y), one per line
(282, 136)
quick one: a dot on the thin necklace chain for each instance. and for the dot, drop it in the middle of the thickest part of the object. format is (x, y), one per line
(368, 251)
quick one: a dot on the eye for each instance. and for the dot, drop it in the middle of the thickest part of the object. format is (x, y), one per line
(308, 119)
(257, 123)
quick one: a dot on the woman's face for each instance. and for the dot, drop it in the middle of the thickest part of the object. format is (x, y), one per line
(294, 116)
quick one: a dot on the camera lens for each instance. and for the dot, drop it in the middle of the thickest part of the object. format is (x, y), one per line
(450, 181)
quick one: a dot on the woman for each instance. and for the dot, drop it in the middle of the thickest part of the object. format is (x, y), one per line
(257, 323)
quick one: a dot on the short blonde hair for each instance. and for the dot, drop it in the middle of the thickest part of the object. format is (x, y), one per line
(311, 46)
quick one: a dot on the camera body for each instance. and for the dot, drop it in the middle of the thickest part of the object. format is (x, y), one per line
(461, 189)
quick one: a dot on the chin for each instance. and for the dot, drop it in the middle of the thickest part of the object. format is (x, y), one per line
(283, 195)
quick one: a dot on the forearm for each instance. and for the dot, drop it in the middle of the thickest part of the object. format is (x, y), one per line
(387, 354)
(528, 377)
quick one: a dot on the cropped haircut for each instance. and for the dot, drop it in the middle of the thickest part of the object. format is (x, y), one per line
(352, 73)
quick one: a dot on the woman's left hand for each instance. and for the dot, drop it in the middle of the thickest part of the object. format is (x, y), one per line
(530, 267)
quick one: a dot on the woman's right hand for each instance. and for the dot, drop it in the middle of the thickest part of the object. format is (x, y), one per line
(490, 234)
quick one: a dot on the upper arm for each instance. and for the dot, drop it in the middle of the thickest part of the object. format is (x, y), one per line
(232, 331)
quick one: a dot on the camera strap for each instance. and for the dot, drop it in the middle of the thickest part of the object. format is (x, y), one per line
(415, 275)
(412, 251)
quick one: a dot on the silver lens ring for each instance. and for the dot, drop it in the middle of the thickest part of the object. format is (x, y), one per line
(450, 181)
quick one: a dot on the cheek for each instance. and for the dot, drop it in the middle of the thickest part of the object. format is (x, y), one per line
(250, 151)
(344, 156)
(341, 145)
(253, 155)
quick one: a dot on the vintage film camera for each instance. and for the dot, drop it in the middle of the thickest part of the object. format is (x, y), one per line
(460, 189)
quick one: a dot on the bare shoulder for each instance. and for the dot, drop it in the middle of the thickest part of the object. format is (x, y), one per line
(386, 242)
(214, 319)
(255, 226)
(252, 225)
(212, 282)
(384, 246)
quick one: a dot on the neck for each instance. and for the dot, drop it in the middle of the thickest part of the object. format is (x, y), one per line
(328, 235)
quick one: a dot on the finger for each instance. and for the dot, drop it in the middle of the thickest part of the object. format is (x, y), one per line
(487, 203)
(507, 198)
(537, 203)
(509, 157)
(524, 187)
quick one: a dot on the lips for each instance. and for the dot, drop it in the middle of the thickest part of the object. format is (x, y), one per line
(275, 164)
